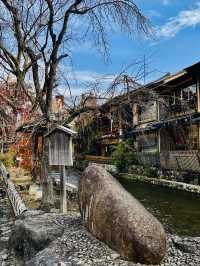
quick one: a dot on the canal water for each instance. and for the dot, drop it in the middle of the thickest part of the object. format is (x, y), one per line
(177, 210)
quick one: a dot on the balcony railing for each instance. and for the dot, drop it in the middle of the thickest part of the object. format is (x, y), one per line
(181, 160)
(182, 108)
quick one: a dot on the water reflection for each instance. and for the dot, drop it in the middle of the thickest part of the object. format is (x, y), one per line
(176, 209)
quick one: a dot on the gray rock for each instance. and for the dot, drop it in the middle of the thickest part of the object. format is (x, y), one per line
(4, 256)
(77, 241)
(114, 256)
(53, 210)
(187, 245)
(114, 216)
(31, 234)
(30, 213)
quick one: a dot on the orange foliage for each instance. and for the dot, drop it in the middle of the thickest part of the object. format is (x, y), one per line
(23, 151)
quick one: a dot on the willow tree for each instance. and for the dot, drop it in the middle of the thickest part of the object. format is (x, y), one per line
(36, 36)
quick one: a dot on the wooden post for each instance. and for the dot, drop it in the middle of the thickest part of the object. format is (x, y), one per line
(198, 95)
(58, 143)
(48, 199)
(198, 109)
(158, 110)
(135, 112)
(159, 140)
(63, 194)
(120, 123)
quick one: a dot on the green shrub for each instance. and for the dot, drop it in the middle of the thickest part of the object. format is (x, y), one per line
(123, 156)
(151, 172)
(119, 158)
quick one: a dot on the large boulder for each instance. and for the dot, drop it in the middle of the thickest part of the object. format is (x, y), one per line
(114, 216)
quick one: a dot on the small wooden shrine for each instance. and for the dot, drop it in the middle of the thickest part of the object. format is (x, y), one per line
(59, 150)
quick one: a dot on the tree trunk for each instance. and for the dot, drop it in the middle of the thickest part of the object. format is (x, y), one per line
(48, 199)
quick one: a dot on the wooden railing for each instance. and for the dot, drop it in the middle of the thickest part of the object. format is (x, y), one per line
(94, 158)
(181, 160)
(15, 199)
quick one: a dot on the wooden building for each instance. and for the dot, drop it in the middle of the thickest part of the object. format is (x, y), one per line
(162, 118)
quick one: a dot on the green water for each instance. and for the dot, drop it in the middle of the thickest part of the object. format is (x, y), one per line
(178, 210)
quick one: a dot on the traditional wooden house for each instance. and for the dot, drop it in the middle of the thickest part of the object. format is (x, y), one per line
(161, 117)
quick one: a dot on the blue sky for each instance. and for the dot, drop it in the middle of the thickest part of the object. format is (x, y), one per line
(176, 44)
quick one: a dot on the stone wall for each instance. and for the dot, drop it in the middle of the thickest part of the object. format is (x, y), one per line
(107, 167)
(165, 183)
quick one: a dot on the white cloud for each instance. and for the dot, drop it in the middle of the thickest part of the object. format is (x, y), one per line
(81, 81)
(154, 13)
(185, 19)
(166, 2)
(84, 76)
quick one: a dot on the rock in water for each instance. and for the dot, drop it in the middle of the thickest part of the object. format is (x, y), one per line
(114, 216)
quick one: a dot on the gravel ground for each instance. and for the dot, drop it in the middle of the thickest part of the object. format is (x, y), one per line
(6, 223)
(78, 247)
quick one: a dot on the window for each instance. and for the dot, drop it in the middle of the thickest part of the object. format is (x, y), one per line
(193, 137)
(185, 138)
(148, 111)
(184, 99)
(147, 141)
(190, 96)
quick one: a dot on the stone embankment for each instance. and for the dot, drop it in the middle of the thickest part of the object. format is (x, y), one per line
(195, 189)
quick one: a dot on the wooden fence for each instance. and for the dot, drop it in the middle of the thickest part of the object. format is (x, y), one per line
(15, 199)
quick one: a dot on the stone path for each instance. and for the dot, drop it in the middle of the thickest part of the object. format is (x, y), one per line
(78, 247)
(6, 223)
